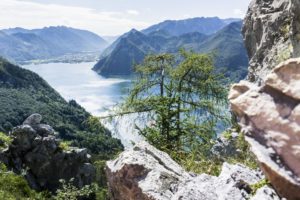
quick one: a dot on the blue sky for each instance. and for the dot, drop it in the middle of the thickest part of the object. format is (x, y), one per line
(111, 17)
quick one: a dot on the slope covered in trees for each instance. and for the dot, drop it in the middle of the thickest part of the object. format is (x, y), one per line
(23, 93)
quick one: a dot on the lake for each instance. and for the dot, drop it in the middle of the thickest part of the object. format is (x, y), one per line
(92, 91)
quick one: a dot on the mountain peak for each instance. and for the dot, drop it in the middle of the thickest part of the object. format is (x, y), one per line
(133, 30)
(205, 25)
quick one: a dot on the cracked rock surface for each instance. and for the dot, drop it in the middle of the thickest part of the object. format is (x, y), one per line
(272, 34)
(35, 150)
(270, 116)
(145, 173)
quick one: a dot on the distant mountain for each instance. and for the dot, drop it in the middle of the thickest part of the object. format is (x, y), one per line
(11, 31)
(110, 39)
(22, 45)
(231, 20)
(120, 56)
(12, 47)
(131, 48)
(228, 46)
(205, 25)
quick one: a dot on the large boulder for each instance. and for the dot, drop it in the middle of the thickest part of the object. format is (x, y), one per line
(272, 34)
(270, 117)
(145, 173)
(35, 150)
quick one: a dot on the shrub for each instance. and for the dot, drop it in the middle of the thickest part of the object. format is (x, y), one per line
(15, 187)
(65, 145)
(5, 140)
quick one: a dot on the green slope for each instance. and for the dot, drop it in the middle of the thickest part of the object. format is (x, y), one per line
(23, 93)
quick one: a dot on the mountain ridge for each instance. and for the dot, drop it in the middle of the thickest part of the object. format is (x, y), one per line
(205, 25)
(47, 42)
(133, 46)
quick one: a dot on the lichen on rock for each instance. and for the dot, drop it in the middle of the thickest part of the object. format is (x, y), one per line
(271, 31)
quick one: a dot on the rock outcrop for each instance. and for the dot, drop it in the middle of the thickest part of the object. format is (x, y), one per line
(145, 173)
(35, 150)
(225, 145)
(270, 116)
(272, 35)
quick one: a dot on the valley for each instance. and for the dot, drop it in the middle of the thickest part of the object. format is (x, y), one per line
(149, 100)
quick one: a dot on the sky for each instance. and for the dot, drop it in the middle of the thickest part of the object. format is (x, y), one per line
(112, 17)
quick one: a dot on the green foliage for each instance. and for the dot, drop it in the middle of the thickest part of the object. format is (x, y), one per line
(245, 157)
(5, 140)
(65, 145)
(227, 134)
(200, 161)
(203, 161)
(183, 100)
(15, 187)
(100, 172)
(70, 192)
(258, 185)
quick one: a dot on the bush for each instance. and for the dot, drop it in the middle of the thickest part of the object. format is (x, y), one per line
(89, 192)
(70, 192)
(65, 145)
(203, 161)
(15, 187)
(5, 140)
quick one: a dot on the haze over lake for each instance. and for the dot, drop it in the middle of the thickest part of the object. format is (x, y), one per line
(77, 81)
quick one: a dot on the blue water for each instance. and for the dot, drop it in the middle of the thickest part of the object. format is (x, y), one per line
(77, 81)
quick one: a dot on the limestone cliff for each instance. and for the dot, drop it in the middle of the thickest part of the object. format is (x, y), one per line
(272, 34)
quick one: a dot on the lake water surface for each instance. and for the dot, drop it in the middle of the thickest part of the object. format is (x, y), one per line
(93, 92)
(77, 81)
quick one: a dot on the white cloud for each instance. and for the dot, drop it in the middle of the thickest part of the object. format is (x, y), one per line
(133, 12)
(35, 15)
(238, 13)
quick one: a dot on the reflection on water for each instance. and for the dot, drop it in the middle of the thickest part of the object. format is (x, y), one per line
(77, 81)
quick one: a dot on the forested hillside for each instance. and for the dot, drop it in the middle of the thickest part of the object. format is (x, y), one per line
(23, 92)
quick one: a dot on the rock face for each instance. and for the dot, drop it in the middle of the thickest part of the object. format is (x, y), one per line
(272, 35)
(225, 146)
(145, 173)
(35, 150)
(270, 115)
